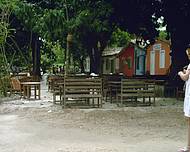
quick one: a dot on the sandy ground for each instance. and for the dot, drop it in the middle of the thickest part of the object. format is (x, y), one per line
(40, 126)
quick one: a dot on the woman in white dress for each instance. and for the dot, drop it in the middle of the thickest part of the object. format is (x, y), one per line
(185, 76)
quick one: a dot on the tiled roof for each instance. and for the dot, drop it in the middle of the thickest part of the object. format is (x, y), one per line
(111, 51)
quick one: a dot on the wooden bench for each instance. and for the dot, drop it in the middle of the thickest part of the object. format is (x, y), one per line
(57, 89)
(87, 91)
(133, 90)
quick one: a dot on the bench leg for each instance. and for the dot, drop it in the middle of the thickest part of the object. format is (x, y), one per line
(117, 100)
(101, 102)
(64, 102)
(149, 100)
(54, 98)
(122, 100)
(144, 99)
(154, 101)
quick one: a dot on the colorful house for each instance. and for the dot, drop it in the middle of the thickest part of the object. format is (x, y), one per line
(130, 60)
(110, 61)
(158, 58)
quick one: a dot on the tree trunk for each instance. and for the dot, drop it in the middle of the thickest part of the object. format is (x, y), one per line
(179, 60)
(36, 55)
(82, 65)
(95, 61)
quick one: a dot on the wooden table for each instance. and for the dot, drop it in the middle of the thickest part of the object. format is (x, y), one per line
(28, 87)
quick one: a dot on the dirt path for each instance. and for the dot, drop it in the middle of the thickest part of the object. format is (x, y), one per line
(48, 128)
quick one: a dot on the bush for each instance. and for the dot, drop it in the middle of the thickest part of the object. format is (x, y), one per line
(5, 86)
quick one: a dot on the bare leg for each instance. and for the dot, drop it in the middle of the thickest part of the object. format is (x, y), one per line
(188, 144)
(187, 149)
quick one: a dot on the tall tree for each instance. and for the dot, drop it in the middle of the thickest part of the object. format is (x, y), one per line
(176, 15)
(137, 17)
(27, 18)
(93, 28)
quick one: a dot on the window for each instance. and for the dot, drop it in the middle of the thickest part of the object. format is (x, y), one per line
(162, 58)
(157, 47)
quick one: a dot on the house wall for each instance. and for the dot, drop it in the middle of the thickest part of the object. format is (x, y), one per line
(126, 61)
(158, 59)
(109, 64)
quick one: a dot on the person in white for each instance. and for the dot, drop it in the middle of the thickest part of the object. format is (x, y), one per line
(184, 75)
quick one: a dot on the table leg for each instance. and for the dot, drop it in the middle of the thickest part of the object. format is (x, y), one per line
(28, 92)
(39, 91)
(35, 89)
(25, 91)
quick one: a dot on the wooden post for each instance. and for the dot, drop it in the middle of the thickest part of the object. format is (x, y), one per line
(69, 39)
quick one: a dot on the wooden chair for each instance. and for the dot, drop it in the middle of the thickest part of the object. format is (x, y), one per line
(16, 86)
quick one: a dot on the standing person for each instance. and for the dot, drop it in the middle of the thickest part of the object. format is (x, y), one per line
(185, 76)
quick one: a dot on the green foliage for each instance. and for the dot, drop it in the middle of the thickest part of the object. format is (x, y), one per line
(6, 7)
(29, 15)
(120, 38)
(163, 35)
(48, 56)
(4, 85)
(86, 20)
(52, 53)
(53, 25)
(5, 32)
(59, 52)
(2, 66)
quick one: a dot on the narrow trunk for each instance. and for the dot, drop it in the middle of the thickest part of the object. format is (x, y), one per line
(179, 60)
(95, 61)
(82, 65)
(36, 56)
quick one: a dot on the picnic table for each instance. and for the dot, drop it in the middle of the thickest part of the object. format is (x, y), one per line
(28, 87)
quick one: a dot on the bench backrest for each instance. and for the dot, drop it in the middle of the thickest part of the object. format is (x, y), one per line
(30, 79)
(53, 81)
(137, 87)
(82, 85)
(57, 83)
(16, 86)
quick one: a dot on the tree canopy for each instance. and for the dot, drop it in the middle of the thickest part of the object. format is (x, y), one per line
(92, 23)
